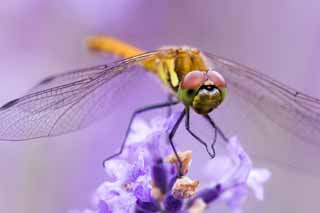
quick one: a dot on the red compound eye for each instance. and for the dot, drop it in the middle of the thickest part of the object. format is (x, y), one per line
(216, 78)
(193, 80)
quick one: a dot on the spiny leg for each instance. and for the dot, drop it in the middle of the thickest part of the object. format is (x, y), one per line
(187, 125)
(214, 140)
(217, 131)
(135, 113)
(171, 134)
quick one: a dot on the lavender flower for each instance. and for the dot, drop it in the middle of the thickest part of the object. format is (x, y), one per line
(145, 178)
(236, 176)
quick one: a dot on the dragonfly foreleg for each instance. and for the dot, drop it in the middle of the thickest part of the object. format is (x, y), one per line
(135, 113)
(171, 134)
(217, 131)
(187, 124)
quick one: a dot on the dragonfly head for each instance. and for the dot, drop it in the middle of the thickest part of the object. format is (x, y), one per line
(202, 90)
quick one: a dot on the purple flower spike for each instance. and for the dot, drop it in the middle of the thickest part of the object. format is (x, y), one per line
(144, 178)
(103, 207)
(145, 207)
(159, 176)
(207, 195)
(172, 204)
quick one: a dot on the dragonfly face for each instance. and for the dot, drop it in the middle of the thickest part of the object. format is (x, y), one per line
(184, 71)
(203, 91)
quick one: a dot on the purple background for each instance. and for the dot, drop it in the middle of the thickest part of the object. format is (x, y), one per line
(37, 38)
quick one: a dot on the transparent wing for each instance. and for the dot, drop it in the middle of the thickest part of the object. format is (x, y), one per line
(68, 77)
(295, 114)
(65, 102)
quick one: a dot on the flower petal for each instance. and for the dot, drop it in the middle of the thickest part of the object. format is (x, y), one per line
(116, 169)
(256, 179)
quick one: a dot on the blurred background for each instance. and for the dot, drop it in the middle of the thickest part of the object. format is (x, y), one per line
(280, 38)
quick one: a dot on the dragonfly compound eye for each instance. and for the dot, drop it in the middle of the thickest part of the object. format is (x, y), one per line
(193, 80)
(216, 78)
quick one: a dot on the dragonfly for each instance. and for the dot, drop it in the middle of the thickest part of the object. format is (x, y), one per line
(201, 81)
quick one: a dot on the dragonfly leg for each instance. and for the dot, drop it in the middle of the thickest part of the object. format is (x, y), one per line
(187, 125)
(217, 131)
(137, 112)
(171, 134)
